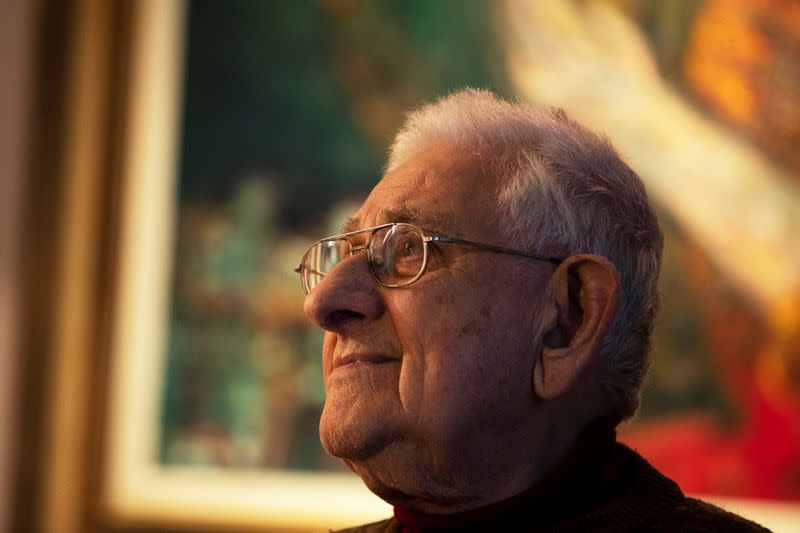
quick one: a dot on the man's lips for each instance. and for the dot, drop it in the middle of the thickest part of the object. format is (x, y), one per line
(363, 358)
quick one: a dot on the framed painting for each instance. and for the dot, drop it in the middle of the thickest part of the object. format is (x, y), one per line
(255, 127)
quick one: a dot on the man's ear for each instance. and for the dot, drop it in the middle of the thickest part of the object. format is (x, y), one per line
(585, 290)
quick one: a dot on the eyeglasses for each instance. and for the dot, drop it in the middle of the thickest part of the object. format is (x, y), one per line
(397, 254)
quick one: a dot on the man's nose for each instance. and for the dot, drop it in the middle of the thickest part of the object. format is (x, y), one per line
(347, 296)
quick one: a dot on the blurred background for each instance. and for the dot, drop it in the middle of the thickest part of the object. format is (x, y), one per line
(217, 140)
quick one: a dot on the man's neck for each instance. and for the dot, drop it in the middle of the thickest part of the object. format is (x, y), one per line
(583, 477)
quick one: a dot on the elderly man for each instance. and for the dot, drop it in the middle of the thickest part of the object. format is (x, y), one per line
(487, 314)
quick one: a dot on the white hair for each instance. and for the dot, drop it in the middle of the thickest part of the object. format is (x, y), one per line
(563, 190)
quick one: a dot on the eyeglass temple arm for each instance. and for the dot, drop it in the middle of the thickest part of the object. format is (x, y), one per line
(492, 248)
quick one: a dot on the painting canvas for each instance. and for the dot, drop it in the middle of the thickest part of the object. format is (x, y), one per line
(282, 113)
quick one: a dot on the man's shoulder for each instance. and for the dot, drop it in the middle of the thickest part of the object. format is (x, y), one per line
(673, 511)
(696, 516)
(389, 525)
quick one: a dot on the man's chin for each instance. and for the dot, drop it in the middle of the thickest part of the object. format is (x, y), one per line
(347, 443)
(355, 439)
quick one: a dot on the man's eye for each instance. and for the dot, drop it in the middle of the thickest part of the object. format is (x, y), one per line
(409, 248)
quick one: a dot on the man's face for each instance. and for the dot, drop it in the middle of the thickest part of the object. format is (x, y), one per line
(441, 369)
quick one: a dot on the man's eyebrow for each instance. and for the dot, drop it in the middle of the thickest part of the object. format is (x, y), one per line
(425, 219)
(350, 224)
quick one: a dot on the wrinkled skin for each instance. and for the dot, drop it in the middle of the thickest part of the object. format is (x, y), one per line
(436, 410)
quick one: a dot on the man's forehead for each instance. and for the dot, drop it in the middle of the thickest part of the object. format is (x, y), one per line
(439, 189)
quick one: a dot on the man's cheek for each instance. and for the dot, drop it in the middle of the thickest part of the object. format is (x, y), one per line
(328, 346)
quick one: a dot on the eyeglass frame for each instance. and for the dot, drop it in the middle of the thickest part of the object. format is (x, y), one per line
(426, 239)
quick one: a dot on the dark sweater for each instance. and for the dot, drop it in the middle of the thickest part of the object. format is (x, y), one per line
(599, 486)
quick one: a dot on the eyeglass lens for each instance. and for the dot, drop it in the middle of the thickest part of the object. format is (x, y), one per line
(320, 259)
(396, 256)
